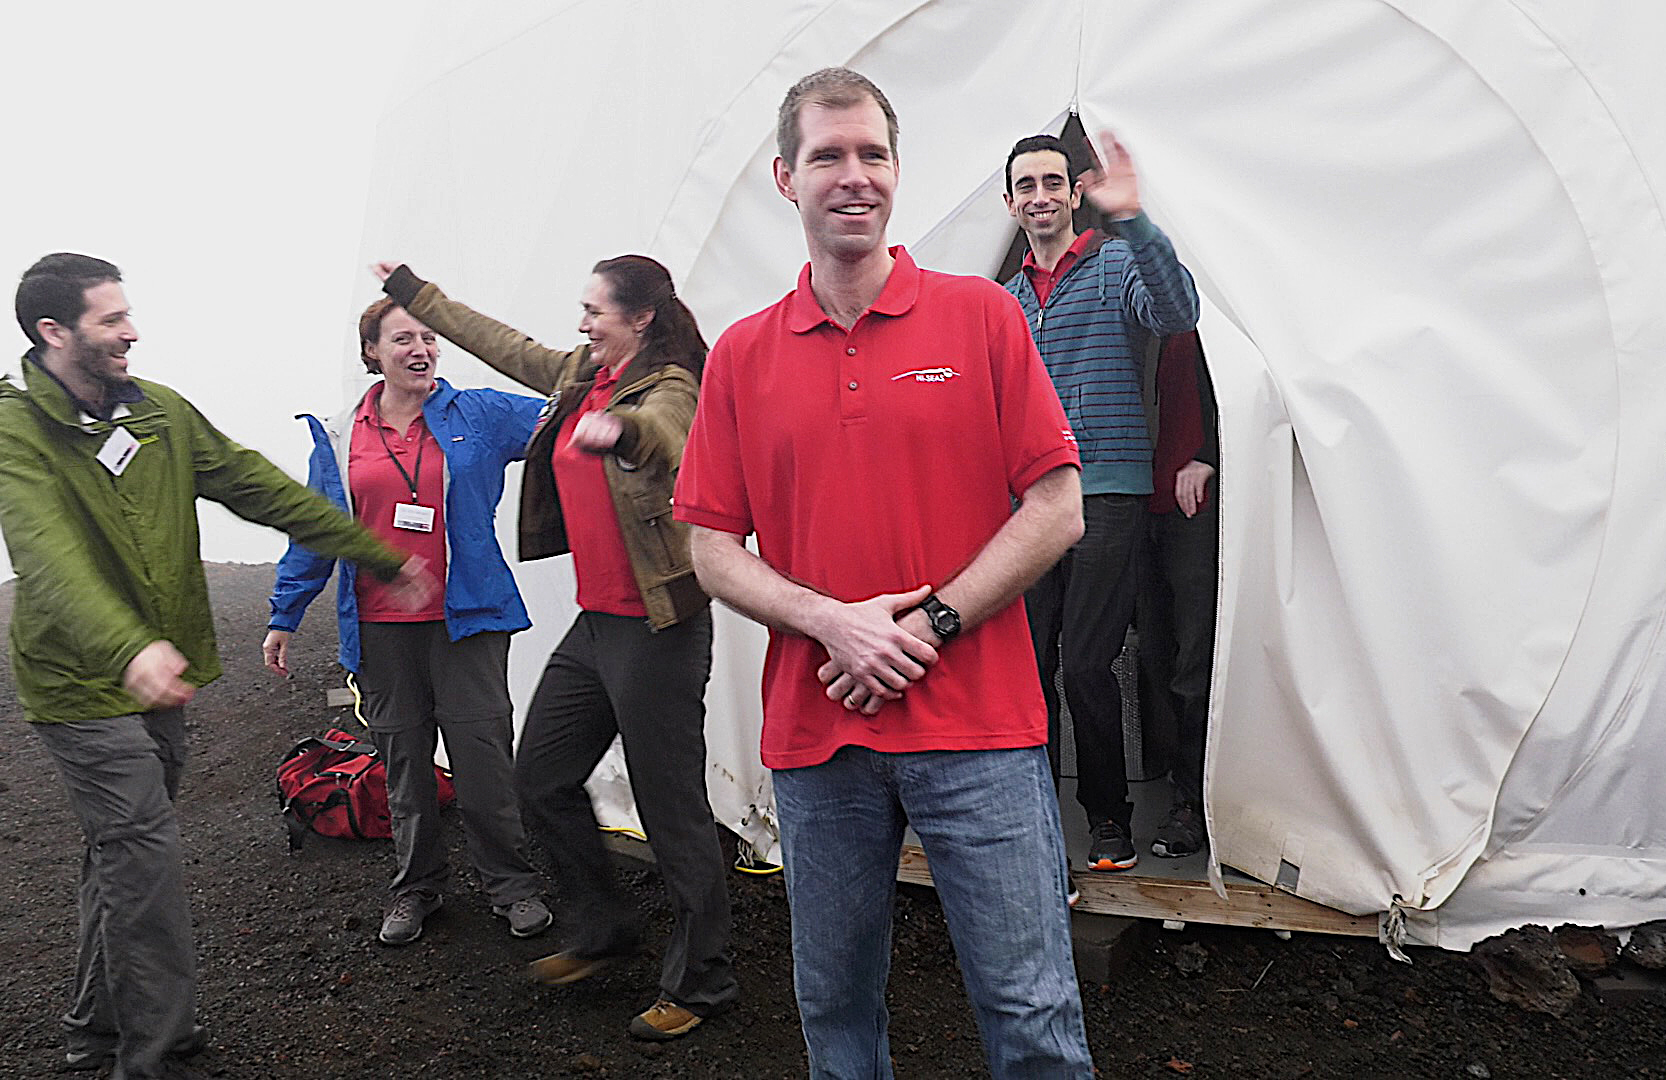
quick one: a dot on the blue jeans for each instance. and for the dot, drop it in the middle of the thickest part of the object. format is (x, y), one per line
(989, 823)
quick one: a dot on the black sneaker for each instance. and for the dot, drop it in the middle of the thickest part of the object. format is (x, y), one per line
(1112, 847)
(1072, 895)
(1181, 833)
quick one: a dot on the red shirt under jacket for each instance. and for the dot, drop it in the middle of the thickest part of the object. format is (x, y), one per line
(378, 486)
(600, 562)
(1042, 281)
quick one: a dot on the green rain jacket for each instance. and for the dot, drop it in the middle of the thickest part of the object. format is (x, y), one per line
(108, 564)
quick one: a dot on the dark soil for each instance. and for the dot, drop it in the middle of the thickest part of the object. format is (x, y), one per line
(293, 983)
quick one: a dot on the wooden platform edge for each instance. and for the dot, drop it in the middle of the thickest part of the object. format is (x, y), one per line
(1133, 896)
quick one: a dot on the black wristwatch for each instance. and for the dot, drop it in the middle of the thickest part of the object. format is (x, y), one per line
(944, 620)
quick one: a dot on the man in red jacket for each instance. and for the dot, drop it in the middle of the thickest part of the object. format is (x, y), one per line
(1177, 601)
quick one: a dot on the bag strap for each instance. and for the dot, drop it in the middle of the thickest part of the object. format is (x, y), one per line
(297, 816)
(350, 745)
(298, 822)
(295, 827)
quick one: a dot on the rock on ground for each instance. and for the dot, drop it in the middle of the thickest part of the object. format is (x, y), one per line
(1589, 950)
(1526, 968)
(1647, 946)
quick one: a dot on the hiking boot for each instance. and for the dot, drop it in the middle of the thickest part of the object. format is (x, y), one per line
(526, 917)
(664, 1020)
(104, 1056)
(570, 965)
(1112, 847)
(403, 922)
(1181, 833)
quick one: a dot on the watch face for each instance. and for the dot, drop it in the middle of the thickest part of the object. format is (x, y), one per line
(943, 619)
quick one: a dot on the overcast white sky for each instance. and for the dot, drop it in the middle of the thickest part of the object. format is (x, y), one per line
(218, 154)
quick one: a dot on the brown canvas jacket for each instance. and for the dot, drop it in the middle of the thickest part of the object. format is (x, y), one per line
(655, 407)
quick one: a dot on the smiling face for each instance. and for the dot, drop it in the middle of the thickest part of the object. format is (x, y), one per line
(99, 342)
(843, 180)
(407, 351)
(615, 335)
(1043, 200)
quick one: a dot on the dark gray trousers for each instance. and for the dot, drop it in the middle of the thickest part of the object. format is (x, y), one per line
(1079, 615)
(612, 675)
(136, 970)
(419, 684)
(1177, 641)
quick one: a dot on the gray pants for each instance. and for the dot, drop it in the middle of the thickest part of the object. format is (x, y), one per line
(136, 971)
(418, 683)
(612, 675)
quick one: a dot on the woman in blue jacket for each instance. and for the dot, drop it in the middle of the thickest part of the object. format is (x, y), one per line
(421, 464)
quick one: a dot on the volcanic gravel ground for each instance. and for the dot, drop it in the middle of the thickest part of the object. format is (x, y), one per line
(293, 983)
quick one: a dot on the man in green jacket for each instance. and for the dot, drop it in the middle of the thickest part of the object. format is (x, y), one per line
(111, 632)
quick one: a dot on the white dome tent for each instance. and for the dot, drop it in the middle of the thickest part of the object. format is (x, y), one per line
(1430, 243)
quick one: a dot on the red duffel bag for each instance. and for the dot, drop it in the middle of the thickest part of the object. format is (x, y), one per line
(336, 785)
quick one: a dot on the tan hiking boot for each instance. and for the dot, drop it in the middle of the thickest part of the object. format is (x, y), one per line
(664, 1020)
(559, 969)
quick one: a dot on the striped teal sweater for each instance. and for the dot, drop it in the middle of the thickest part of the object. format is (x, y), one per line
(1091, 349)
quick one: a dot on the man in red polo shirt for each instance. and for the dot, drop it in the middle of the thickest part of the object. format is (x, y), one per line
(872, 429)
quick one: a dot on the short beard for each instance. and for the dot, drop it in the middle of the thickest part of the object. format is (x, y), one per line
(94, 364)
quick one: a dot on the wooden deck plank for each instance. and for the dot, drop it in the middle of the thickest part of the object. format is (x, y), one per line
(1145, 897)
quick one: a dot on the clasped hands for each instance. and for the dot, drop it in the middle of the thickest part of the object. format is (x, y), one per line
(876, 649)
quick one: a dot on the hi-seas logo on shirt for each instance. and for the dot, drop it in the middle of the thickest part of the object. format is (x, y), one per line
(929, 374)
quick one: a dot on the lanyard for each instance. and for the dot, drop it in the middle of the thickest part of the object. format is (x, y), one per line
(422, 444)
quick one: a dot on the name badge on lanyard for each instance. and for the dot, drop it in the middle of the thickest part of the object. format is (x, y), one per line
(118, 451)
(413, 516)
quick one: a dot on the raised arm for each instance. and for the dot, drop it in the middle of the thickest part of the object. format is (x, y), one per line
(1160, 292)
(255, 489)
(659, 428)
(504, 348)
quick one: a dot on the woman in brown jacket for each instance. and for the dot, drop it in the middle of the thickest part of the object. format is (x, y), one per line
(599, 474)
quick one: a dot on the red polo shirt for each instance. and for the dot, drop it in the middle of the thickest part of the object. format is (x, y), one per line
(873, 461)
(600, 562)
(1042, 281)
(378, 486)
